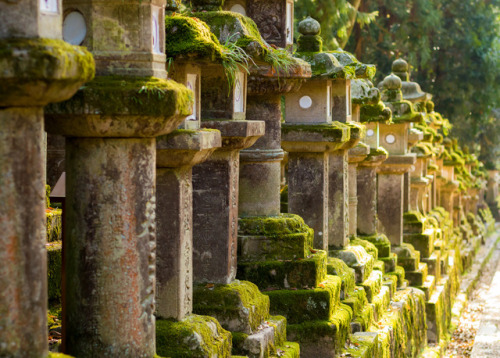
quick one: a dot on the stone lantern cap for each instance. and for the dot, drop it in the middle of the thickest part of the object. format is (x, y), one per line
(35, 72)
(321, 137)
(190, 39)
(411, 90)
(267, 61)
(402, 110)
(121, 106)
(423, 150)
(372, 109)
(333, 64)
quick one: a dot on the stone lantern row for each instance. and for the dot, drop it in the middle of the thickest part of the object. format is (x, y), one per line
(173, 188)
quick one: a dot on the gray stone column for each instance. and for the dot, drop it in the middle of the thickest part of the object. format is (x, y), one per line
(176, 155)
(355, 156)
(308, 192)
(37, 68)
(215, 202)
(260, 169)
(367, 195)
(109, 248)
(390, 202)
(23, 272)
(338, 200)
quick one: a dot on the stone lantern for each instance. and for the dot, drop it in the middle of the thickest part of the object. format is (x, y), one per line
(394, 138)
(38, 68)
(110, 127)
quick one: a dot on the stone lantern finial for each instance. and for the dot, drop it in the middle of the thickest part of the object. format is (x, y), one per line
(309, 39)
(401, 69)
(391, 89)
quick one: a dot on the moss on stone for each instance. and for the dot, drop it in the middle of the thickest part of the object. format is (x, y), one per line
(335, 131)
(335, 329)
(307, 305)
(192, 38)
(381, 242)
(339, 268)
(238, 306)
(283, 274)
(54, 270)
(54, 224)
(59, 355)
(367, 245)
(372, 285)
(44, 59)
(272, 225)
(124, 95)
(194, 336)
(288, 350)
(399, 273)
(378, 112)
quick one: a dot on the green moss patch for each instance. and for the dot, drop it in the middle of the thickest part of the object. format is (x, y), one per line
(283, 274)
(381, 242)
(54, 224)
(54, 270)
(191, 37)
(333, 132)
(370, 248)
(194, 336)
(372, 285)
(339, 268)
(238, 306)
(124, 95)
(399, 273)
(307, 305)
(333, 331)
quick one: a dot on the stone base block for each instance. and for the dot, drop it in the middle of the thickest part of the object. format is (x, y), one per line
(436, 316)
(391, 282)
(400, 274)
(282, 237)
(434, 264)
(422, 242)
(284, 274)
(362, 345)
(194, 336)
(381, 242)
(324, 339)
(381, 302)
(307, 305)
(418, 277)
(428, 287)
(408, 257)
(238, 306)
(390, 262)
(339, 268)
(357, 258)
(372, 285)
(264, 342)
(379, 266)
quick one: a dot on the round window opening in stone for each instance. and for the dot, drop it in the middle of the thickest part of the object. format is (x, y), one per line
(239, 9)
(305, 102)
(74, 28)
(390, 138)
(370, 132)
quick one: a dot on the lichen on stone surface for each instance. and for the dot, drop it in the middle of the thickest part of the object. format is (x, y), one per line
(124, 95)
(194, 336)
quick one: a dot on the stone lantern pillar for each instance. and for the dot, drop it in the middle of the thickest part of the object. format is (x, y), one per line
(110, 127)
(38, 68)
(309, 135)
(394, 138)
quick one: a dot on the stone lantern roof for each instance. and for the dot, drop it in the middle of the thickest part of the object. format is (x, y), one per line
(411, 90)
(368, 98)
(392, 96)
(332, 64)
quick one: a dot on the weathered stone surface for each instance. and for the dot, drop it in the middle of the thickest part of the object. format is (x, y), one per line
(338, 203)
(23, 272)
(109, 250)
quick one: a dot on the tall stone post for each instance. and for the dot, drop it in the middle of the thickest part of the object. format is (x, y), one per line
(38, 68)
(110, 126)
(176, 154)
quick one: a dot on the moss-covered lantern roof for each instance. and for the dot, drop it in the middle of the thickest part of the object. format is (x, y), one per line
(372, 109)
(402, 110)
(233, 29)
(411, 90)
(191, 38)
(336, 64)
